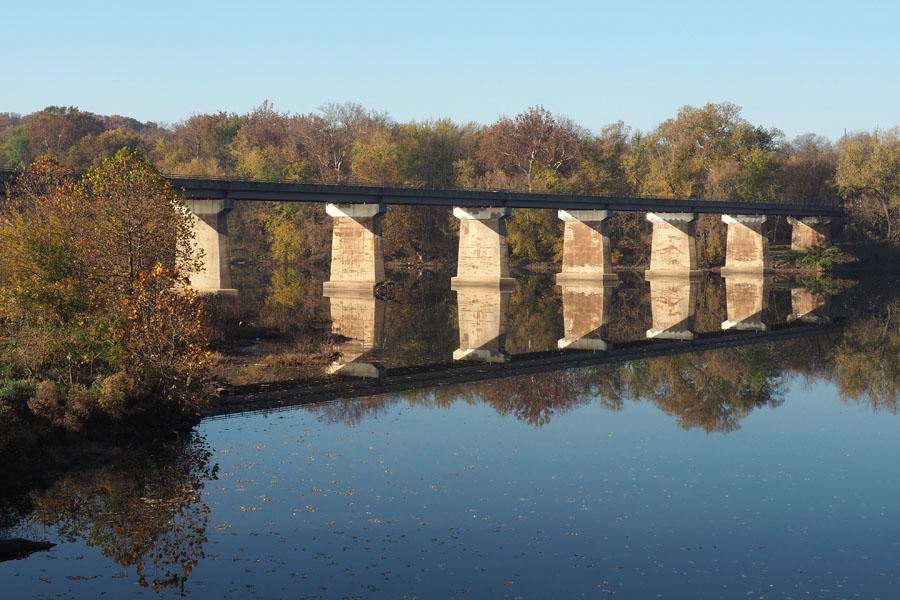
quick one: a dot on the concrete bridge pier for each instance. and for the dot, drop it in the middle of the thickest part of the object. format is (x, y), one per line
(482, 314)
(810, 232)
(586, 253)
(360, 319)
(586, 313)
(674, 248)
(808, 306)
(483, 257)
(357, 254)
(673, 276)
(747, 247)
(482, 284)
(747, 300)
(210, 225)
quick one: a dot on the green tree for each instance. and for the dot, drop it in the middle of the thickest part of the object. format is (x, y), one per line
(13, 146)
(760, 172)
(678, 158)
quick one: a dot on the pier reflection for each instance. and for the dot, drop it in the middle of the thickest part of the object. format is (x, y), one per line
(586, 308)
(496, 321)
(483, 322)
(809, 306)
(747, 300)
(357, 318)
(673, 301)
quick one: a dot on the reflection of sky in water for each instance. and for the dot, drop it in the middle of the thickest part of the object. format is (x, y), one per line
(799, 502)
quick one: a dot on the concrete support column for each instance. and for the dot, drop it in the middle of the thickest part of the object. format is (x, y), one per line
(585, 247)
(747, 300)
(586, 314)
(674, 248)
(673, 303)
(810, 232)
(747, 248)
(483, 258)
(210, 225)
(360, 319)
(808, 306)
(357, 255)
(482, 323)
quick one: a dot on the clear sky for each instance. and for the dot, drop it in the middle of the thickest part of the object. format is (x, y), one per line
(821, 67)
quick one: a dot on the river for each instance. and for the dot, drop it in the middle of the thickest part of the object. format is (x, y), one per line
(762, 468)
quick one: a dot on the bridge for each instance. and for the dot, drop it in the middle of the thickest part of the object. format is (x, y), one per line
(357, 259)
(195, 188)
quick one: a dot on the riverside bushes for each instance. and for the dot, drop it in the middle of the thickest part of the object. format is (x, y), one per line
(97, 320)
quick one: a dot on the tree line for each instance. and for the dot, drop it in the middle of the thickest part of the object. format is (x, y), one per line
(708, 152)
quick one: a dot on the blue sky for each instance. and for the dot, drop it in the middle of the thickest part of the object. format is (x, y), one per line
(819, 67)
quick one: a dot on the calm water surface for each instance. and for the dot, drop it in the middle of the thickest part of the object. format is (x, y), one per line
(761, 471)
(418, 499)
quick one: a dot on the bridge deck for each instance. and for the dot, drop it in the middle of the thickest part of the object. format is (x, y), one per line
(261, 191)
(346, 194)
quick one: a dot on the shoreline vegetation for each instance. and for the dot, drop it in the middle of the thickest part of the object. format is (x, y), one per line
(101, 338)
(100, 334)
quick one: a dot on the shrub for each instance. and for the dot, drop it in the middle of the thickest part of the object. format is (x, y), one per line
(822, 258)
(114, 392)
(46, 402)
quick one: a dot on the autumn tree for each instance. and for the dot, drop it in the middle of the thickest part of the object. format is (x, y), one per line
(92, 150)
(56, 129)
(868, 177)
(535, 146)
(376, 159)
(535, 150)
(806, 175)
(602, 167)
(81, 262)
(200, 145)
(329, 135)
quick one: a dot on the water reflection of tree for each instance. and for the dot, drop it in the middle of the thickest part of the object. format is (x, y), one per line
(420, 319)
(867, 361)
(712, 390)
(535, 314)
(147, 513)
(534, 399)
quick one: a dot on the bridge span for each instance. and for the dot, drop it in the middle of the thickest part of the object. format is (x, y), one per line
(202, 189)
(357, 261)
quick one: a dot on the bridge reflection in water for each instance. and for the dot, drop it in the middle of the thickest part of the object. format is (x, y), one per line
(586, 285)
(483, 284)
